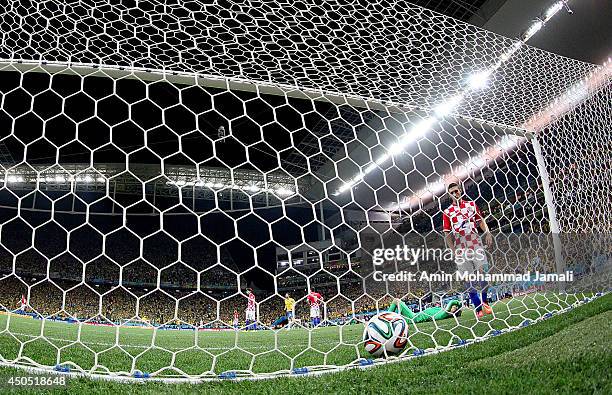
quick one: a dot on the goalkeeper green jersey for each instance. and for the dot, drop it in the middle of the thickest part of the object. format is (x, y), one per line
(429, 314)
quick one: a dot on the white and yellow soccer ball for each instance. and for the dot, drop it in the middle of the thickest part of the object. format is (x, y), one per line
(385, 334)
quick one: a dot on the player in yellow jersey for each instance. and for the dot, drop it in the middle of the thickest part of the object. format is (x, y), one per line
(289, 308)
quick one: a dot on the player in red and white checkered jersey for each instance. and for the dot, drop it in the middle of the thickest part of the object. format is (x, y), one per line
(461, 221)
(250, 310)
(315, 299)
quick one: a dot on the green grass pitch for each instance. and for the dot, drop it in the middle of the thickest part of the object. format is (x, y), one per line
(556, 345)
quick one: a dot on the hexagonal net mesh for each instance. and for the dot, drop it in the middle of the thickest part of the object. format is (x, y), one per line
(173, 172)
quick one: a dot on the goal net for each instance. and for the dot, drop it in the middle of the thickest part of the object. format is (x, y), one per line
(175, 177)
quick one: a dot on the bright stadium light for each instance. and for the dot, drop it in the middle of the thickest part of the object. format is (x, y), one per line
(218, 185)
(347, 185)
(537, 25)
(446, 108)
(418, 131)
(89, 179)
(395, 149)
(476, 81)
(382, 159)
(370, 168)
(479, 80)
(415, 133)
(284, 192)
(553, 10)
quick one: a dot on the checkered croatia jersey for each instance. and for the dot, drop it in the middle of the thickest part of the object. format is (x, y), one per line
(462, 220)
(251, 302)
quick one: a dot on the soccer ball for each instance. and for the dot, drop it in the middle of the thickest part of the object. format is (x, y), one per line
(385, 331)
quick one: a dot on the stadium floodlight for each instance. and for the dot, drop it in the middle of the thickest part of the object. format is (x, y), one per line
(550, 12)
(479, 80)
(283, 192)
(476, 81)
(533, 29)
(446, 108)
(343, 188)
(88, 179)
(348, 185)
(382, 159)
(395, 149)
(577, 92)
(370, 168)
(15, 179)
(415, 133)
(419, 130)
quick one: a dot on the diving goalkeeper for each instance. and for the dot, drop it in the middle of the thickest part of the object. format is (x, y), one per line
(430, 314)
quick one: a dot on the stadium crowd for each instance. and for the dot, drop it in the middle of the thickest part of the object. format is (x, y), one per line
(101, 303)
